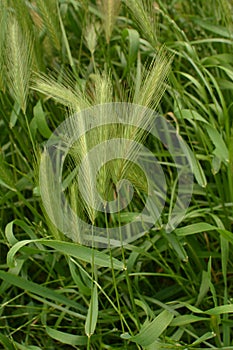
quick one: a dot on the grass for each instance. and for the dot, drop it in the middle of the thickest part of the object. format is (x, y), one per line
(161, 291)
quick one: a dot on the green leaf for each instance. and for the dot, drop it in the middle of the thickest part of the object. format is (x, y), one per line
(78, 280)
(22, 224)
(26, 347)
(219, 310)
(14, 114)
(194, 228)
(40, 120)
(84, 253)
(66, 338)
(204, 337)
(71, 249)
(16, 247)
(6, 176)
(216, 164)
(189, 114)
(205, 285)
(221, 150)
(197, 169)
(9, 233)
(41, 291)
(151, 332)
(92, 314)
(177, 246)
(6, 342)
(133, 37)
(186, 320)
(216, 29)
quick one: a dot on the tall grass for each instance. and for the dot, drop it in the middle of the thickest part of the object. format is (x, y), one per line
(162, 291)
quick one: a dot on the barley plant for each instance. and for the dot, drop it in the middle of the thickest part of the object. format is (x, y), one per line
(63, 59)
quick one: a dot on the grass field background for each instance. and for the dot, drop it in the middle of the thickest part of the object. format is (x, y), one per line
(162, 291)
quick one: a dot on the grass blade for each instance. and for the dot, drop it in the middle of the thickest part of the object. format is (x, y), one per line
(42, 291)
(71, 249)
(92, 314)
(65, 338)
(152, 331)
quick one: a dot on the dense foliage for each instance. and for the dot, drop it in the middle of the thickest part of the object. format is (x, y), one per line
(162, 291)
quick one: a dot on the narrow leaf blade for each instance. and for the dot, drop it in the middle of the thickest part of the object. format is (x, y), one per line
(92, 314)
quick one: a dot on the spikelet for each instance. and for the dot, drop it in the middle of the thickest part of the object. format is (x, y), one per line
(3, 22)
(152, 85)
(84, 190)
(21, 10)
(109, 10)
(90, 36)
(102, 91)
(63, 93)
(148, 93)
(18, 61)
(48, 12)
(144, 12)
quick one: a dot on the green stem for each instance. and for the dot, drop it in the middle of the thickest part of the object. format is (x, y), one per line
(126, 270)
(113, 274)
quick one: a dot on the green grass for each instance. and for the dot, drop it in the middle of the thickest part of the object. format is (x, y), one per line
(162, 291)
